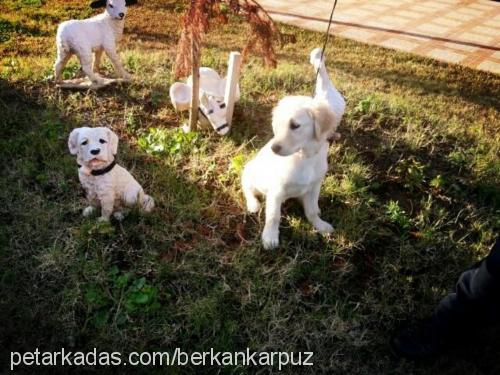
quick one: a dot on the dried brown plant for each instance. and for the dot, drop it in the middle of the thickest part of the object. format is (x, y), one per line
(196, 21)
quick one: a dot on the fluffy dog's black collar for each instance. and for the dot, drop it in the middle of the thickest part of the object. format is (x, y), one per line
(100, 172)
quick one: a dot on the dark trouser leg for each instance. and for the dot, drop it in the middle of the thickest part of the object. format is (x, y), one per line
(476, 302)
(474, 305)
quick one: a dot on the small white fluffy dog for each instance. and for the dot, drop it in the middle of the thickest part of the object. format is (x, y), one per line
(93, 35)
(293, 164)
(107, 184)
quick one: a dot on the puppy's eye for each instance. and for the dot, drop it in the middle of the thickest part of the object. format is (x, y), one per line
(111, 6)
(84, 143)
(294, 125)
(102, 141)
(210, 111)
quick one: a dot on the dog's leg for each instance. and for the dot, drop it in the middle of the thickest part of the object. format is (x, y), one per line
(311, 208)
(92, 207)
(97, 61)
(107, 205)
(61, 61)
(115, 60)
(86, 62)
(253, 204)
(270, 234)
(132, 194)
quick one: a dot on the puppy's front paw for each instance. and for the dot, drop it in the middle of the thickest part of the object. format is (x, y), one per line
(88, 211)
(270, 239)
(323, 227)
(103, 219)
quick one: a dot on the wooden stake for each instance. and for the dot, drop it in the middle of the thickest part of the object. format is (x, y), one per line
(233, 76)
(195, 95)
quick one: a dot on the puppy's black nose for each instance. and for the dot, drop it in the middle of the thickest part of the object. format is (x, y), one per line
(276, 148)
(95, 151)
(121, 15)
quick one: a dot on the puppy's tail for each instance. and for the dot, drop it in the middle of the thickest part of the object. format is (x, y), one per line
(147, 202)
(317, 60)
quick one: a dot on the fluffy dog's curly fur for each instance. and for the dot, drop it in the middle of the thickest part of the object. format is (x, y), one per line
(107, 184)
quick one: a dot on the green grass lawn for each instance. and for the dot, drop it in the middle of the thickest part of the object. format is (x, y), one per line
(412, 191)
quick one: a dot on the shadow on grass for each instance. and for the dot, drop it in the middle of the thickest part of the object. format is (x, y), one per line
(51, 258)
(424, 264)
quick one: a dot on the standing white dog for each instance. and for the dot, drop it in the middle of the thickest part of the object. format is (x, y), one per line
(293, 164)
(93, 35)
(107, 184)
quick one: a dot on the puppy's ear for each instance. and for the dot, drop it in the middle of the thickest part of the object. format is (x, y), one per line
(325, 121)
(130, 2)
(113, 141)
(73, 141)
(98, 4)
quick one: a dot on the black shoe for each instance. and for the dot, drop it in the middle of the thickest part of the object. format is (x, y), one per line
(418, 343)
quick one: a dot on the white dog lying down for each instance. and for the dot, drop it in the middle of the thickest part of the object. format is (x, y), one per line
(293, 164)
(212, 109)
(107, 184)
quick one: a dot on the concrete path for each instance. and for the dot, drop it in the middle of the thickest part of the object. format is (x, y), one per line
(465, 32)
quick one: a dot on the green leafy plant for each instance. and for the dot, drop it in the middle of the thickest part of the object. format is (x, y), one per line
(140, 295)
(234, 170)
(397, 215)
(132, 62)
(412, 173)
(458, 158)
(438, 182)
(168, 142)
(237, 163)
(121, 295)
(364, 105)
(131, 121)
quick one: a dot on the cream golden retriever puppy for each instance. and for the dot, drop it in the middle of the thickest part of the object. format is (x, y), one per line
(108, 185)
(293, 164)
